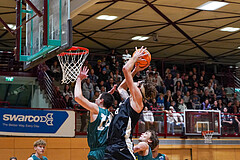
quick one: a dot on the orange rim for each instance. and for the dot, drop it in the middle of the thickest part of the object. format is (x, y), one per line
(74, 51)
(205, 132)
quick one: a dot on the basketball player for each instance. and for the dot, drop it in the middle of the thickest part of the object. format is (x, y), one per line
(100, 117)
(158, 156)
(147, 142)
(119, 144)
(39, 147)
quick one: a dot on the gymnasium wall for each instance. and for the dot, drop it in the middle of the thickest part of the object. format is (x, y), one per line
(77, 148)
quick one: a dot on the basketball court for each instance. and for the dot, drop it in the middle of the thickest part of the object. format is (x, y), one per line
(76, 30)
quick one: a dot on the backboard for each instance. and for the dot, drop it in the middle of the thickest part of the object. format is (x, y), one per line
(46, 36)
(196, 121)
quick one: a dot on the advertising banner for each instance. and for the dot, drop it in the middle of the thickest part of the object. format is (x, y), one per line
(29, 122)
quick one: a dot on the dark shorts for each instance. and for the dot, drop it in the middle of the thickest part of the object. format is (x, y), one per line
(118, 152)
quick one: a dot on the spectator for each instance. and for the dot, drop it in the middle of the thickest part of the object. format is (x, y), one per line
(148, 118)
(186, 100)
(205, 96)
(215, 81)
(93, 78)
(169, 82)
(181, 105)
(89, 66)
(203, 74)
(167, 72)
(194, 70)
(103, 76)
(177, 78)
(160, 100)
(103, 89)
(167, 100)
(87, 89)
(230, 107)
(68, 91)
(98, 68)
(117, 77)
(176, 98)
(155, 106)
(174, 71)
(68, 100)
(220, 105)
(234, 98)
(159, 119)
(108, 70)
(227, 121)
(214, 98)
(194, 80)
(178, 87)
(224, 98)
(210, 89)
(103, 62)
(110, 84)
(137, 77)
(190, 76)
(187, 84)
(56, 71)
(215, 105)
(195, 100)
(217, 91)
(201, 83)
(159, 83)
(206, 105)
(96, 95)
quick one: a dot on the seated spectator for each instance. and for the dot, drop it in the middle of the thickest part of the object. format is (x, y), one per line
(173, 119)
(155, 106)
(205, 96)
(109, 84)
(159, 83)
(217, 91)
(181, 105)
(215, 105)
(224, 98)
(186, 100)
(220, 105)
(96, 95)
(214, 80)
(148, 118)
(87, 89)
(117, 77)
(108, 69)
(206, 105)
(93, 78)
(214, 98)
(210, 89)
(56, 71)
(98, 68)
(68, 100)
(168, 82)
(201, 83)
(174, 71)
(230, 107)
(103, 76)
(160, 100)
(167, 100)
(178, 87)
(89, 66)
(177, 78)
(195, 86)
(103, 62)
(176, 98)
(203, 74)
(147, 104)
(194, 79)
(195, 100)
(68, 91)
(167, 72)
(187, 84)
(137, 77)
(234, 99)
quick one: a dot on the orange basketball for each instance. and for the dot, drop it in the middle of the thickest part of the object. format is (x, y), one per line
(146, 62)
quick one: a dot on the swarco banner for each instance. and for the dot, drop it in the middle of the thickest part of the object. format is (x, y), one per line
(28, 122)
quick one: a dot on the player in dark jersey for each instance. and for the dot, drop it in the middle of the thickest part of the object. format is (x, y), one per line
(158, 156)
(147, 142)
(100, 118)
(119, 144)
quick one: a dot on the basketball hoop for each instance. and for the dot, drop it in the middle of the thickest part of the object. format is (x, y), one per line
(207, 136)
(71, 61)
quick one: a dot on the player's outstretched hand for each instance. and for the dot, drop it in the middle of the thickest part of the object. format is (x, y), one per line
(113, 89)
(83, 72)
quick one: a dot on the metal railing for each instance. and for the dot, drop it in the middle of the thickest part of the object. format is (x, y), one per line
(48, 87)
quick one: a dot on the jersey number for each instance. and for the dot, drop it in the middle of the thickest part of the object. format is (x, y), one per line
(104, 120)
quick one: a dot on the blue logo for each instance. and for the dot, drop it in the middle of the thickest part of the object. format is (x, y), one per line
(31, 121)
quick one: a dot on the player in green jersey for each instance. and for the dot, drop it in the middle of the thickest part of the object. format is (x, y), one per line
(39, 147)
(147, 142)
(100, 117)
(158, 156)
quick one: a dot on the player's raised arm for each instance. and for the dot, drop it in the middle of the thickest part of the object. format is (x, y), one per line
(141, 146)
(79, 98)
(134, 90)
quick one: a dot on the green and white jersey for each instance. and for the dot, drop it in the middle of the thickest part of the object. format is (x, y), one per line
(160, 157)
(36, 158)
(147, 157)
(98, 129)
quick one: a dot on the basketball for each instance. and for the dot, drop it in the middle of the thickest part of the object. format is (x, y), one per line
(145, 61)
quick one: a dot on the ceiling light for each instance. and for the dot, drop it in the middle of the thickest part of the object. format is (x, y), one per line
(12, 26)
(140, 38)
(229, 29)
(106, 17)
(212, 5)
(239, 47)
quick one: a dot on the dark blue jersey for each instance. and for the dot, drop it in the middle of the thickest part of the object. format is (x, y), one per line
(119, 143)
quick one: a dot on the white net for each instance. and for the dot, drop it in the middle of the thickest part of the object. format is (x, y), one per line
(71, 63)
(208, 137)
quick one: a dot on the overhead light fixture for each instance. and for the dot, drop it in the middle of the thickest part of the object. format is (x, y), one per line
(238, 47)
(12, 26)
(140, 38)
(212, 5)
(230, 29)
(106, 17)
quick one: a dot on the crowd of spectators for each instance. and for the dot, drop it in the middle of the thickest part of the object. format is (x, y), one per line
(176, 91)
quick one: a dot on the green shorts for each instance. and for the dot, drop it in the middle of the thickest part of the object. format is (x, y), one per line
(96, 154)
